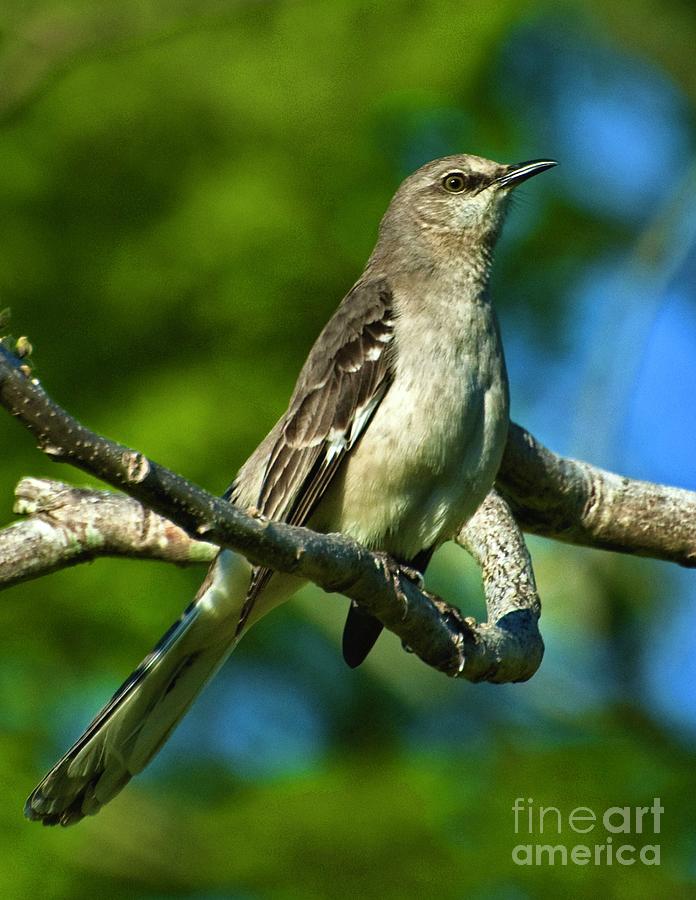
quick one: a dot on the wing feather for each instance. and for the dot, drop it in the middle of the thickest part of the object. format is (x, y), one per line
(346, 376)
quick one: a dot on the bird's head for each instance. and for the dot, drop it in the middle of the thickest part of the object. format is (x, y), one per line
(459, 197)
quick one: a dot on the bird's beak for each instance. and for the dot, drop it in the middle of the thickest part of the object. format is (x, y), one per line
(519, 172)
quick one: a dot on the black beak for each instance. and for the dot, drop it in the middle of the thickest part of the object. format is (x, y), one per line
(519, 172)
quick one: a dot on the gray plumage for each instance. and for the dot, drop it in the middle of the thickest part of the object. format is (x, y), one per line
(393, 435)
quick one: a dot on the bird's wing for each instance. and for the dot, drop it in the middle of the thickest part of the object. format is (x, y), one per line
(343, 381)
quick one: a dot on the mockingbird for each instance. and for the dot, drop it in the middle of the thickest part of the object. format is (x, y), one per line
(393, 435)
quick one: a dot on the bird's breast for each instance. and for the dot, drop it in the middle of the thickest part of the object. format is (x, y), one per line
(431, 452)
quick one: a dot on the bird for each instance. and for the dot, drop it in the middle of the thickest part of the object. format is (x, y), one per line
(393, 435)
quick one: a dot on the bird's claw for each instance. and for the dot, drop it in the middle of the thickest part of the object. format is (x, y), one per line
(394, 570)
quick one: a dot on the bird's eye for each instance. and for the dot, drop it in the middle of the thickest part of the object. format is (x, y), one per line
(454, 183)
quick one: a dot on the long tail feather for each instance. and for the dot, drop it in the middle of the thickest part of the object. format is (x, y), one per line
(135, 723)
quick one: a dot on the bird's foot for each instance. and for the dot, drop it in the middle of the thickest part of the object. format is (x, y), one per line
(412, 574)
(394, 570)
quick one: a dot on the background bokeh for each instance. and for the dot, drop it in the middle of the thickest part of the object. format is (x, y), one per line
(187, 188)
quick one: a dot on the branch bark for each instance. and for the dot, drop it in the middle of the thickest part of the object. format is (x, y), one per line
(513, 608)
(435, 631)
(67, 525)
(575, 502)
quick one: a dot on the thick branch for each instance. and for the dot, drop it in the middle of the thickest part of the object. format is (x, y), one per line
(432, 629)
(575, 502)
(68, 525)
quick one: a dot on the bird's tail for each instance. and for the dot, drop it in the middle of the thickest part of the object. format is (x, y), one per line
(135, 723)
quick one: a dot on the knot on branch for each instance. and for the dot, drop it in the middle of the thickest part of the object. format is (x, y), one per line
(137, 466)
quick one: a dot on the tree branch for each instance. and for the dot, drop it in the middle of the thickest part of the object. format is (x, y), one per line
(434, 630)
(68, 525)
(548, 495)
(575, 502)
(494, 540)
